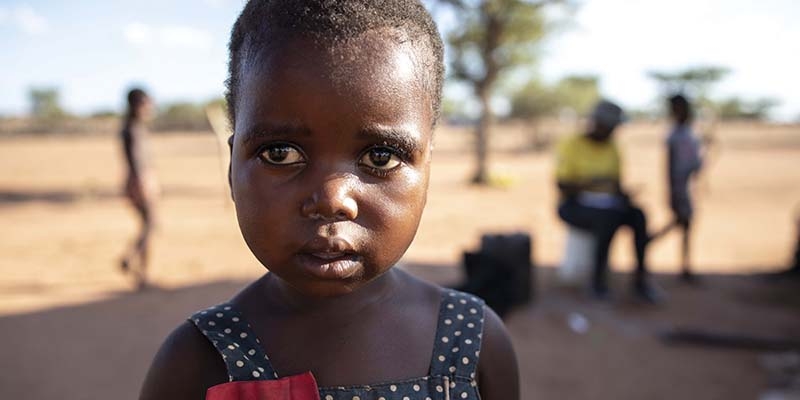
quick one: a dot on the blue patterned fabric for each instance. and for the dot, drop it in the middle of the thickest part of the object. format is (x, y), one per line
(452, 373)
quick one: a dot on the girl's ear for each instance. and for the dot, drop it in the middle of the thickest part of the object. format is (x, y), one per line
(230, 155)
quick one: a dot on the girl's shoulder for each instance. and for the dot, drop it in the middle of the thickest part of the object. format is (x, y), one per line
(459, 314)
(428, 290)
(185, 366)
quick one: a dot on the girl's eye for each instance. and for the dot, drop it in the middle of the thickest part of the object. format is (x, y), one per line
(380, 158)
(282, 154)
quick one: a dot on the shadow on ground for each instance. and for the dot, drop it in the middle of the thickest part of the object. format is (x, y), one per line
(568, 346)
(98, 350)
(10, 197)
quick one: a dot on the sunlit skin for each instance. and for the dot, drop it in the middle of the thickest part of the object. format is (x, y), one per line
(330, 163)
(329, 174)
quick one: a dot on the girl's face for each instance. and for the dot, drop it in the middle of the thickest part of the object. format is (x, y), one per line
(330, 160)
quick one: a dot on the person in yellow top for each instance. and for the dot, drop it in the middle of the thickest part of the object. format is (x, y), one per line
(588, 173)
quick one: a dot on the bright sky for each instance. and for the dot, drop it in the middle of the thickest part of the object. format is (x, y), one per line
(94, 50)
(620, 40)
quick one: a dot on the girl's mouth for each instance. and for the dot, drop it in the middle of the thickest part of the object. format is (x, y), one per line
(330, 265)
(330, 259)
(328, 255)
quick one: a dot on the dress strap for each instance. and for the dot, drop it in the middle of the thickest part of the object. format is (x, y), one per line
(233, 338)
(458, 335)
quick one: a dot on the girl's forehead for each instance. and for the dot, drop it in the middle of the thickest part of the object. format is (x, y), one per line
(372, 53)
(377, 76)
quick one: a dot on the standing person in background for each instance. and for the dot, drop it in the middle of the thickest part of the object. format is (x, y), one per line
(592, 198)
(796, 267)
(683, 162)
(794, 270)
(141, 187)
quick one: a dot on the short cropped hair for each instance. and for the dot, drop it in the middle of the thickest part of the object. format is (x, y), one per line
(264, 22)
(679, 103)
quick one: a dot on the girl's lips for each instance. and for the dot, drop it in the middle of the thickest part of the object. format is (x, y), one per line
(330, 265)
(328, 255)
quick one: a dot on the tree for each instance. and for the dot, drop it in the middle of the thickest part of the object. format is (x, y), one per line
(104, 113)
(181, 116)
(535, 100)
(492, 37)
(737, 108)
(531, 103)
(219, 103)
(46, 103)
(576, 92)
(695, 81)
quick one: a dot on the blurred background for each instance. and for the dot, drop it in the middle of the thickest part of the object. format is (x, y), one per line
(522, 75)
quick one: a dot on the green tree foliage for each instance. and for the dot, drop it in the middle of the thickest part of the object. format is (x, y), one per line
(536, 100)
(105, 114)
(46, 104)
(491, 38)
(218, 103)
(695, 81)
(578, 92)
(186, 116)
(735, 108)
(455, 110)
(182, 116)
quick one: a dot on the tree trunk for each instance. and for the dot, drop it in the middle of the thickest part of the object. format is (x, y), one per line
(538, 140)
(481, 176)
(483, 88)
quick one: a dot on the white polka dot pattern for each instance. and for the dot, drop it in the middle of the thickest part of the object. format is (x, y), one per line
(453, 367)
(429, 387)
(231, 337)
(460, 327)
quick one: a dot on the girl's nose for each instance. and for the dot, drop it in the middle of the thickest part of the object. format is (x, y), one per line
(333, 200)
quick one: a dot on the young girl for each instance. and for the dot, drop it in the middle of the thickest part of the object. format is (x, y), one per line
(333, 105)
(140, 184)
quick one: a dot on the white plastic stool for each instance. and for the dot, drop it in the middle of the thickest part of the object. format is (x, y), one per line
(578, 257)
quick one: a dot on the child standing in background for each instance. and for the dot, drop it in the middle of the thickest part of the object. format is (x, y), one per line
(683, 162)
(141, 186)
(333, 105)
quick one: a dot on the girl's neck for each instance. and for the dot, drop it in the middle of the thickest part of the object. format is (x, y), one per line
(287, 299)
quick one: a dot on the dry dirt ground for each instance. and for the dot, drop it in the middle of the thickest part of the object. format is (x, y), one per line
(73, 329)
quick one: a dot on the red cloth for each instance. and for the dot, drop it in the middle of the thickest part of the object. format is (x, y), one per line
(296, 387)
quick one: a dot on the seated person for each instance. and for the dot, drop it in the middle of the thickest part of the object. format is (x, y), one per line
(588, 175)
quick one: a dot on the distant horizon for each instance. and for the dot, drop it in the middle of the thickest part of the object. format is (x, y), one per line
(178, 50)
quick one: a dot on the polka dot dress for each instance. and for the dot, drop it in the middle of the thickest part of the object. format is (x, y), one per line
(452, 371)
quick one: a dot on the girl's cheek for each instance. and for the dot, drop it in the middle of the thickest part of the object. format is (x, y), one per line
(404, 198)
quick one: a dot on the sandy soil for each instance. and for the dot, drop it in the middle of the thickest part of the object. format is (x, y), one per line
(73, 328)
